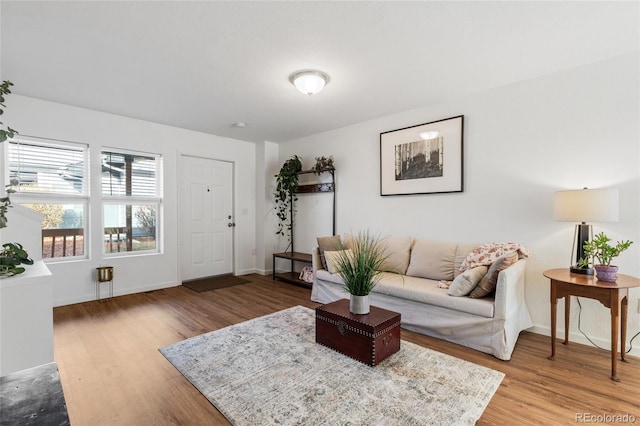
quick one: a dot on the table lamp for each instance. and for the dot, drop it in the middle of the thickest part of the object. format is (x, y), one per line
(585, 205)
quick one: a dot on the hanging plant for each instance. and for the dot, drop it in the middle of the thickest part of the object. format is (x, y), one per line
(4, 135)
(12, 255)
(4, 90)
(5, 203)
(286, 184)
(322, 164)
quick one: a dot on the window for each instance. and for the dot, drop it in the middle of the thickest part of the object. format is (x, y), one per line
(50, 177)
(131, 197)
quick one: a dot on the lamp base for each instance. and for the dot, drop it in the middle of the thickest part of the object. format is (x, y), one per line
(583, 271)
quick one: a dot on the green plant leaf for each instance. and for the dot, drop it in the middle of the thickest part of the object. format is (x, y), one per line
(360, 271)
(284, 194)
(599, 249)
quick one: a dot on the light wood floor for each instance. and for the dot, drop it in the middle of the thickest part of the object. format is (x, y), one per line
(113, 374)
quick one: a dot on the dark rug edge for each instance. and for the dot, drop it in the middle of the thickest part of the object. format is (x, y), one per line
(214, 283)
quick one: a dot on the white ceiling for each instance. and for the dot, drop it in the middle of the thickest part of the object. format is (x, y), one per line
(205, 65)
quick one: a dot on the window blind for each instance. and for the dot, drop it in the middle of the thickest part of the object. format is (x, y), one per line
(129, 174)
(47, 167)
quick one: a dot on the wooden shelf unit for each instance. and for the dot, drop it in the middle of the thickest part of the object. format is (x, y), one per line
(292, 276)
(293, 256)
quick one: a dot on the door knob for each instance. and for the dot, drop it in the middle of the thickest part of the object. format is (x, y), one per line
(231, 224)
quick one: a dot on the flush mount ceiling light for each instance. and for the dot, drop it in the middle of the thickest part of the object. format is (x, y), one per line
(309, 82)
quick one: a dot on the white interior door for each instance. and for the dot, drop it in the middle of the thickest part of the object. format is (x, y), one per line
(206, 217)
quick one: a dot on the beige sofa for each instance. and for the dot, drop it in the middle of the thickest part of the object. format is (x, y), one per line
(490, 324)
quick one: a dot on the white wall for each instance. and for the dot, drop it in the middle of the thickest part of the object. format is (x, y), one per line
(266, 160)
(73, 281)
(23, 228)
(522, 142)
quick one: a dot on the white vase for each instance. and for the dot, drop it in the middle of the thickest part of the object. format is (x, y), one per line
(359, 305)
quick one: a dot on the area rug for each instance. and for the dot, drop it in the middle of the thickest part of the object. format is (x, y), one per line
(214, 283)
(270, 371)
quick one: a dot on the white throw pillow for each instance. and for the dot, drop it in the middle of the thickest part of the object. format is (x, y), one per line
(333, 259)
(464, 283)
(461, 253)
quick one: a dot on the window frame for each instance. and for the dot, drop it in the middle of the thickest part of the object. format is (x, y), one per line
(47, 197)
(125, 200)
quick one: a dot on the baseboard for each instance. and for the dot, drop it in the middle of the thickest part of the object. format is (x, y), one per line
(246, 271)
(116, 292)
(579, 338)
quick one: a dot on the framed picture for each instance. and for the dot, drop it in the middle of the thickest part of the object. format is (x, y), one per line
(422, 159)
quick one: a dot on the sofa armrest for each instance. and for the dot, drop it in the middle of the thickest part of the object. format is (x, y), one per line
(509, 296)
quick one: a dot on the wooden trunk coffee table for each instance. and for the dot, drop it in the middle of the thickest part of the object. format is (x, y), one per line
(369, 338)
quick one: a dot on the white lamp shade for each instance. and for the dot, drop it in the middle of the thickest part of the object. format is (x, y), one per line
(586, 205)
(309, 82)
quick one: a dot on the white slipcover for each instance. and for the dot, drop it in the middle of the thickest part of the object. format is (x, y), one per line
(490, 325)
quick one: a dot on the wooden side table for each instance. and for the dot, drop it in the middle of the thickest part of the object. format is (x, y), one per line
(612, 295)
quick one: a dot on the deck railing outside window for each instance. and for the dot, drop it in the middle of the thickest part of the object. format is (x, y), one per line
(62, 242)
(117, 236)
(70, 241)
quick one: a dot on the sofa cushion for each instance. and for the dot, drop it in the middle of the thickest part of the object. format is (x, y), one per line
(333, 259)
(420, 290)
(464, 283)
(398, 252)
(427, 291)
(346, 239)
(488, 284)
(325, 275)
(432, 259)
(331, 243)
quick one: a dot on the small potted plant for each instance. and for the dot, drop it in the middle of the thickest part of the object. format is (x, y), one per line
(323, 164)
(599, 249)
(360, 270)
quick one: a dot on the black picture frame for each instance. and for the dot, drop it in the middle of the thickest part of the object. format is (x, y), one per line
(423, 159)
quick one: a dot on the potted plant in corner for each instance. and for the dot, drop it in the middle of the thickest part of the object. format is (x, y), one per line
(600, 250)
(360, 269)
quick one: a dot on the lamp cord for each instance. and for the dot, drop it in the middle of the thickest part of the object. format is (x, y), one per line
(591, 341)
